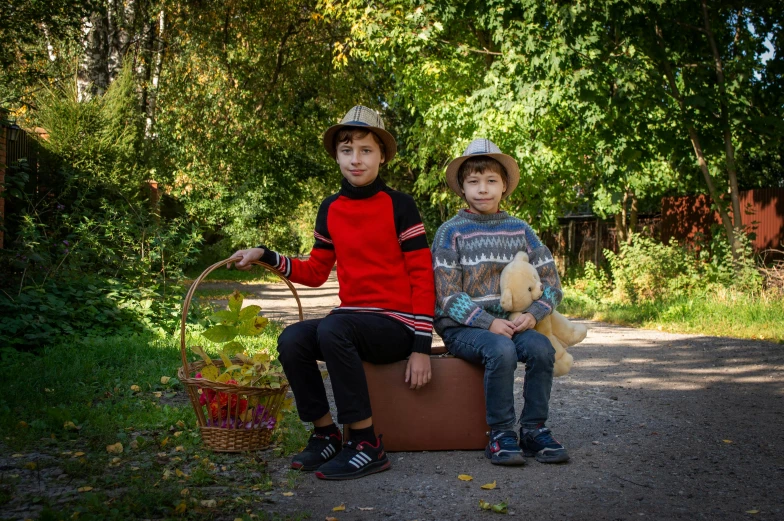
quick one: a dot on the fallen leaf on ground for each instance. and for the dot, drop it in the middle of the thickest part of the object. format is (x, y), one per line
(23, 424)
(184, 492)
(116, 460)
(165, 441)
(157, 394)
(366, 508)
(78, 454)
(499, 508)
(84, 489)
(70, 426)
(752, 511)
(165, 379)
(180, 474)
(464, 477)
(135, 388)
(180, 424)
(727, 441)
(17, 455)
(288, 494)
(180, 509)
(179, 448)
(339, 508)
(178, 434)
(488, 486)
(30, 465)
(328, 518)
(209, 503)
(166, 474)
(117, 448)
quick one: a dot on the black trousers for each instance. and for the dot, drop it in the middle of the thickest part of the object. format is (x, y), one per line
(343, 341)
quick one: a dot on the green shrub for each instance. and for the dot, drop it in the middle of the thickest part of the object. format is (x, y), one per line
(89, 255)
(646, 270)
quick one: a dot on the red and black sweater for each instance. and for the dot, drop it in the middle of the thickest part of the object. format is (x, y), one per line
(384, 264)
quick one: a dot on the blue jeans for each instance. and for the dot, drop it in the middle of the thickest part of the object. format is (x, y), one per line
(500, 355)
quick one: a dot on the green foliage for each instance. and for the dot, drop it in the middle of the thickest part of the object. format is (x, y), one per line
(647, 270)
(89, 255)
(31, 32)
(678, 289)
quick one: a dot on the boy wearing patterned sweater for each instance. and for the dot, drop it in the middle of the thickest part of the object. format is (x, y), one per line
(387, 297)
(469, 253)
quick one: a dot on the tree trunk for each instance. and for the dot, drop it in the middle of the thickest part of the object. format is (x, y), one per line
(698, 152)
(632, 218)
(158, 67)
(620, 229)
(729, 149)
(93, 76)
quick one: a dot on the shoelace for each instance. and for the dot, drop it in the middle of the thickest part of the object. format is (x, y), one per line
(506, 439)
(544, 437)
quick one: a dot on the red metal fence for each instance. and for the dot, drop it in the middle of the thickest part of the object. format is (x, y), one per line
(685, 218)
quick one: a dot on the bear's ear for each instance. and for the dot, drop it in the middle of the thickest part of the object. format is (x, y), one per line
(522, 256)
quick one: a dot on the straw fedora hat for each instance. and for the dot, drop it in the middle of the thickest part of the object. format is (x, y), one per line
(363, 118)
(483, 147)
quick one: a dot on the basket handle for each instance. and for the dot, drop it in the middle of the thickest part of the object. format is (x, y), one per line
(192, 290)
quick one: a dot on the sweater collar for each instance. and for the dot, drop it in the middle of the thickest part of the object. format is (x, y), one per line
(361, 192)
(478, 217)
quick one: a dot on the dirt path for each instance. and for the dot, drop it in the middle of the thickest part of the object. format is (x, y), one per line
(659, 426)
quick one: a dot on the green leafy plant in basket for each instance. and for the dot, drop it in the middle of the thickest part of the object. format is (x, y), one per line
(228, 409)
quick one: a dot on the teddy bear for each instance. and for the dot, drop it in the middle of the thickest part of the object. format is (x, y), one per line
(520, 286)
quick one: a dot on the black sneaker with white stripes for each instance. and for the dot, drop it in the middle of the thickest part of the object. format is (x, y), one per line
(319, 450)
(356, 460)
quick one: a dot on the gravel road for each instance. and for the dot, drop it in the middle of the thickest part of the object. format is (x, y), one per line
(658, 425)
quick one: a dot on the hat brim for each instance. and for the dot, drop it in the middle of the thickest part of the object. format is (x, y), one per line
(390, 145)
(508, 162)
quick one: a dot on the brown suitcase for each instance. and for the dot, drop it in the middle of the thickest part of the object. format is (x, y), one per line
(447, 414)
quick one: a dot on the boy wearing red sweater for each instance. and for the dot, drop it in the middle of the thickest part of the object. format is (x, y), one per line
(387, 299)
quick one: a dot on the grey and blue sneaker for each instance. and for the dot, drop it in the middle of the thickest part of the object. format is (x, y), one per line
(540, 443)
(503, 449)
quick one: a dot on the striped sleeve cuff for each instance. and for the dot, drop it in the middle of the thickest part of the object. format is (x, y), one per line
(277, 261)
(539, 310)
(423, 334)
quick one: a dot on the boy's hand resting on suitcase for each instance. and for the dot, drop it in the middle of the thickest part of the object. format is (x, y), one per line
(243, 258)
(418, 370)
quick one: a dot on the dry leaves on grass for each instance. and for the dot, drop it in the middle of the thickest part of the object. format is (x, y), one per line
(116, 448)
(288, 494)
(136, 388)
(165, 379)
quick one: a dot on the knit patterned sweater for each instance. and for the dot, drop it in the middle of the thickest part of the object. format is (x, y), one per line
(469, 253)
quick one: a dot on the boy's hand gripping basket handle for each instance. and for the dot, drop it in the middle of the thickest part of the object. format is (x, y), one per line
(192, 290)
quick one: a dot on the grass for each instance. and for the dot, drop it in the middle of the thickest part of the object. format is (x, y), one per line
(163, 471)
(219, 293)
(255, 276)
(724, 312)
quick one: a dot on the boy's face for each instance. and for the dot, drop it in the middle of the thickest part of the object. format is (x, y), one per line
(359, 160)
(483, 191)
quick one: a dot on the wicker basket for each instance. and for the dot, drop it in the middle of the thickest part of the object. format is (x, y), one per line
(236, 429)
